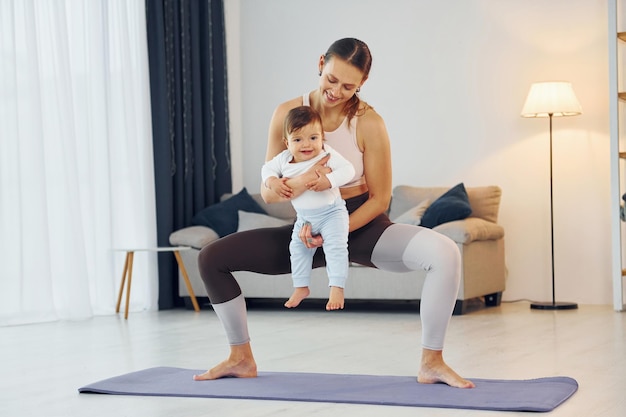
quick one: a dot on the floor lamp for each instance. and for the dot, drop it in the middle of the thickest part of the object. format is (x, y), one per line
(551, 99)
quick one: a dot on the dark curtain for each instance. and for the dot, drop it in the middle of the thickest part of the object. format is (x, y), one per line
(189, 98)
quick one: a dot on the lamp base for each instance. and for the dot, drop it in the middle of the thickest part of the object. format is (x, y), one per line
(557, 305)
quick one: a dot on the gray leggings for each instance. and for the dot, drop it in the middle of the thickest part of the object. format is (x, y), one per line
(381, 244)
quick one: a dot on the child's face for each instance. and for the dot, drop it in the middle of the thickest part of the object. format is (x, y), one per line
(305, 143)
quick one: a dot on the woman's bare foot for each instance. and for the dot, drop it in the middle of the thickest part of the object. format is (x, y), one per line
(335, 299)
(240, 364)
(434, 370)
(298, 295)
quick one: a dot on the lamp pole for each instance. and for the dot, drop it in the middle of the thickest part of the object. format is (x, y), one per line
(552, 99)
(552, 214)
(553, 305)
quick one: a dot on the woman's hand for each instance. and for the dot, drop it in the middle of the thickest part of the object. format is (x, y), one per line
(321, 165)
(321, 183)
(308, 239)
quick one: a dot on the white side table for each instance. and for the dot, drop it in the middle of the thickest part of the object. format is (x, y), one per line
(127, 275)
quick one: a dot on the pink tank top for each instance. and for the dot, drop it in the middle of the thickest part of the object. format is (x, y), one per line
(343, 140)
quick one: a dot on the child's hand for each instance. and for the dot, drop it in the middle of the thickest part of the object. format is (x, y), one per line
(279, 186)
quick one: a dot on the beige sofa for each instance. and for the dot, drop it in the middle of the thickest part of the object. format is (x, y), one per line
(479, 238)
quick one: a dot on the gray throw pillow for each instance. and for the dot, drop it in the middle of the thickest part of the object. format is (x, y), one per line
(413, 215)
(249, 221)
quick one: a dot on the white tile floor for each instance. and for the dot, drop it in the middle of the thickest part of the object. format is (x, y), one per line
(43, 365)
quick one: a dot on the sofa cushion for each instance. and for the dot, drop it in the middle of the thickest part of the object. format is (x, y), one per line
(471, 229)
(248, 221)
(413, 215)
(282, 210)
(222, 217)
(195, 236)
(452, 205)
(484, 200)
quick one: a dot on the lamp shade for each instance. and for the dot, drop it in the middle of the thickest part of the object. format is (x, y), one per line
(554, 98)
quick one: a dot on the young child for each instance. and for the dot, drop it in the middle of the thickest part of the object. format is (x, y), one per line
(324, 210)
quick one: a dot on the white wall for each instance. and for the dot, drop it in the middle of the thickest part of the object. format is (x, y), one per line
(450, 79)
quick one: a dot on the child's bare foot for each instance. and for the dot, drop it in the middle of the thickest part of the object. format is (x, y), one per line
(298, 295)
(335, 299)
(240, 364)
(434, 370)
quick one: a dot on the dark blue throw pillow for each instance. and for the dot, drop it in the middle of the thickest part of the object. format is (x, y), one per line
(453, 205)
(223, 217)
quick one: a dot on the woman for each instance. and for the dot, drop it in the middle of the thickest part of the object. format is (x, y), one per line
(359, 134)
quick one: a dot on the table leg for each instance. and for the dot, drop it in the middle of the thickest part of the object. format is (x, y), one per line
(119, 295)
(130, 277)
(183, 271)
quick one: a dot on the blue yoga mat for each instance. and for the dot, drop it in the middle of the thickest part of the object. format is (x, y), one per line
(541, 395)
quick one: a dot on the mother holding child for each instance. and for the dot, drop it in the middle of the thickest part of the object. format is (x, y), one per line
(358, 133)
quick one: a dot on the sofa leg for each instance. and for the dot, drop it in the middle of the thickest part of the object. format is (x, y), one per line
(460, 308)
(493, 300)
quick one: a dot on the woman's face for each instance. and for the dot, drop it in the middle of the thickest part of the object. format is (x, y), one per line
(339, 81)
